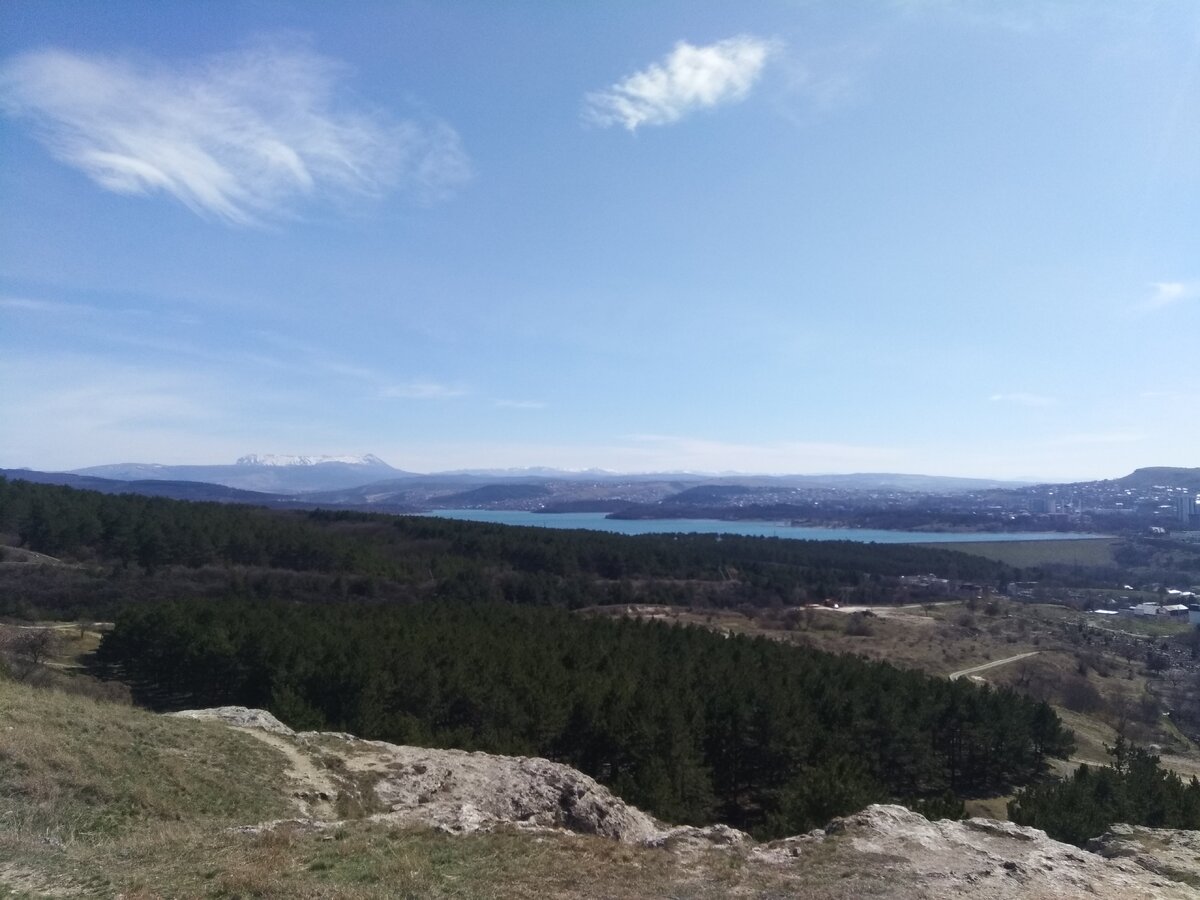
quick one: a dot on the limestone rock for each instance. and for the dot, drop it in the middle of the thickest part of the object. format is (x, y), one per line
(237, 716)
(1174, 853)
(979, 858)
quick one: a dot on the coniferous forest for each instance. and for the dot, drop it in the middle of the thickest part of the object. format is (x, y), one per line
(1134, 789)
(154, 548)
(459, 634)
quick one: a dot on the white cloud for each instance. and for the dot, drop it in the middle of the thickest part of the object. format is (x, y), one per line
(1020, 398)
(239, 137)
(688, 79)
(1167, 293)
(424, 390)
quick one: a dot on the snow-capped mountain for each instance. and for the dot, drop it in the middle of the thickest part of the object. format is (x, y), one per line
(277, 474)
(274, 459)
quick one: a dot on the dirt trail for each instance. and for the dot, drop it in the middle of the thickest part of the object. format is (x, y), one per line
(954, 676)
(316, 791)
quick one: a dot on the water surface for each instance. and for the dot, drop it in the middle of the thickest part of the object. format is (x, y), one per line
(596, 521)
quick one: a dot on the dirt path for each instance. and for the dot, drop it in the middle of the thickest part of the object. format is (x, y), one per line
(954, 676)
(316, 790)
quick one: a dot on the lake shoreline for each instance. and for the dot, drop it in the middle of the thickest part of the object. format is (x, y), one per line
(599, 521)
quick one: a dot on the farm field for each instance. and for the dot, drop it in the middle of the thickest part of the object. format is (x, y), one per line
(1026, 554)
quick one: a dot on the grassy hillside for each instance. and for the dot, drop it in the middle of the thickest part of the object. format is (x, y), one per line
(73, 769)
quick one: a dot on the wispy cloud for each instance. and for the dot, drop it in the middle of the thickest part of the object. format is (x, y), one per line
(240, 137)
(82, 409)
(29, 304)
(1020, 16)
(1168, 293)
(92, 394)
(424, 390)
(520, 404)
(1113, 437)
(1020, 398)
(302, 356)
(689, 78)
(658, 452)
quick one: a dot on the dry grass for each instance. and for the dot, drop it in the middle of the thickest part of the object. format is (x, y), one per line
(939, 639)
(368, 860)
(72, 769)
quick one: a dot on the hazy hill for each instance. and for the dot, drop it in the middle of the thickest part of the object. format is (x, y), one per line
(1170, 476)
(175, 490)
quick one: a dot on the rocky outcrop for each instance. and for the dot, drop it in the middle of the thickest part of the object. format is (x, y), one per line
(238, 717)
(452, 790)
(1169, 852)
(463, 792)
(884, 850)
(979, 858)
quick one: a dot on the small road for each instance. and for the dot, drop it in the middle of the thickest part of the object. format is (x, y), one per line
(954, 676)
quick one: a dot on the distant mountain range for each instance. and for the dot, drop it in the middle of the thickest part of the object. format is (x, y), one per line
(267, 473)
(303, 474)
(369, 483)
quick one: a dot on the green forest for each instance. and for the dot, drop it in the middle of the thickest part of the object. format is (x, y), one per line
(459, 634)
(1134, 789)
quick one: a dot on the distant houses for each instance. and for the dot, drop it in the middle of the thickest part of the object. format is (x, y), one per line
(1022, 590)
(1183, 612)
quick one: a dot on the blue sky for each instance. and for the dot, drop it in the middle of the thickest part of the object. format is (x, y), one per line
(942, 237)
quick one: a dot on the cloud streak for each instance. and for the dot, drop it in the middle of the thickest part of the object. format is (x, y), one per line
(424, 390)
(239, 137)
(657, 452)
(29, 304)
(688, 79)
(1169, 293)
(1021, 398)
(519, 404)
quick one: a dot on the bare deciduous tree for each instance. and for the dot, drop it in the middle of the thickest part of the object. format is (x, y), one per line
(28, 648)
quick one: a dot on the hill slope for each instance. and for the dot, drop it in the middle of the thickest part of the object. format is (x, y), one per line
(1172, 476)
(100, 800)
